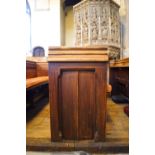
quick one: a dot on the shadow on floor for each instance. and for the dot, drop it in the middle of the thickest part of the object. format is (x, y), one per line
(33, 111)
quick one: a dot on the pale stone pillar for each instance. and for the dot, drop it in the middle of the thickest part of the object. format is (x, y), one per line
(124, 17)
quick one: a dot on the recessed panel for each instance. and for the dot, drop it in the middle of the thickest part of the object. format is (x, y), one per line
(86, 105)
(69, 97)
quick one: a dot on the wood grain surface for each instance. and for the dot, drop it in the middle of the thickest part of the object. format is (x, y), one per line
(36, 81)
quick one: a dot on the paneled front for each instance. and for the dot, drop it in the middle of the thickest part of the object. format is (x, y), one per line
(79, 107)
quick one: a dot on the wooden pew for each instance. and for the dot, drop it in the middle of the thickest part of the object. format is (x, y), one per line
(119, 79)
(36, 79)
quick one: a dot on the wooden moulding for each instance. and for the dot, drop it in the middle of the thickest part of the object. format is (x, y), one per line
(78, 54)
(120, 63)
(36, 59)
(91, 147)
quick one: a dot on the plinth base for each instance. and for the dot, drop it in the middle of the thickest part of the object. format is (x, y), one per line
(88, 146)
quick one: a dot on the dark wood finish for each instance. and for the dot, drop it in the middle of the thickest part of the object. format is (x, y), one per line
(30, 69)
(78, 100)
(69, 94)
(86, 102)
(119, 77)
(78, 85)
(88, 146)
(101, 82)
(36, 67)
(36, 80)
(42, 69)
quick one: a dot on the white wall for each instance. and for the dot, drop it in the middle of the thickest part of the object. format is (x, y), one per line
(69, 27)
(28, 35)
(55, 28)
(62, 23)
(46, 27)
(124, 19)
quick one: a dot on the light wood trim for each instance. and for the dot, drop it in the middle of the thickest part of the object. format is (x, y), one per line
(77, 50)
(120, 63)
(78, 54)
(93, 47)
(35, 81)
(78, 58)
(36, 59)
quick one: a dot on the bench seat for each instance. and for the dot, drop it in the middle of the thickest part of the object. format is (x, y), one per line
(36, 81)
(36, 89)
(43, 79)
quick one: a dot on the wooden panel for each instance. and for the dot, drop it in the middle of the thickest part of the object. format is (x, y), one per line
(86, 105)
(69, 94)
(78, 111)
(30, 69)
(78, 54)
(101, 75)
(53, 97)
(42, 69)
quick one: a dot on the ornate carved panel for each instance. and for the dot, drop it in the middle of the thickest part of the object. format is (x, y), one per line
(97, 23)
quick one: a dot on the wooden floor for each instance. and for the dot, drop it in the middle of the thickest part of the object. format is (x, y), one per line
(117, 134)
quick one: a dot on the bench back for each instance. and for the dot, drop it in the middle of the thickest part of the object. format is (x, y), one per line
(42, 68)
(36, 67)
(31, 69)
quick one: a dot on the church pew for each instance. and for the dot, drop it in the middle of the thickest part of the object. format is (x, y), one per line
(36, 79)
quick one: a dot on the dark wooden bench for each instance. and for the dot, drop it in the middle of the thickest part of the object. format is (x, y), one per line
(36, 80)
(119, 77)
